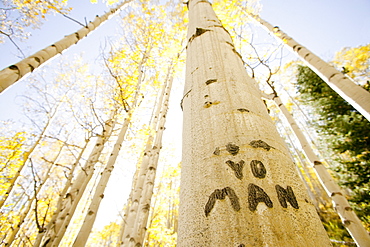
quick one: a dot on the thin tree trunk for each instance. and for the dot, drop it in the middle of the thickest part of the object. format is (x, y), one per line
(239, 186)
(89, 220)
(26, 156)
(140, 226)
(354, 94)
(15, 72)
(130, 217)
(90, 217)
(32, 199)
(67, 185)
(349, 219)
(70, 202)
(135, 232)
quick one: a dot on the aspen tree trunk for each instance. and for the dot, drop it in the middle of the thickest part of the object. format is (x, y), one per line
(70, 202)
(15, 72)
(137, 239)
(67, 185)
(132, 210)
(32, 200)
(90, 217)
(317, 195)
(349, 219)
(354, 94)
(26, 156)
(239, 186)
(89, 220)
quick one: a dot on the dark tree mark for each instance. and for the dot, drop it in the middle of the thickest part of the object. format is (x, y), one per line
(217, 151)
(207, 104)
(31, 67)
(237, 168)
(220, 195)
(198, 31)
(238, 54)
(211, 81)
(13, 67)
(243, 110)
(315, 163)
(256, 195)
(232, 149)
(258, 169)
(276, 28)
(241, 245)
(229, 43)
(205, 96)
(336, 193)
(260, 144)
(285, 195)
(183, 97)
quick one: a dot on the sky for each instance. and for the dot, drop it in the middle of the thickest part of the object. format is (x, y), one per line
(322, 26)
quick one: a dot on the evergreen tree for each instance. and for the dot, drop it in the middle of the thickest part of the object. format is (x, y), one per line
(345, 130)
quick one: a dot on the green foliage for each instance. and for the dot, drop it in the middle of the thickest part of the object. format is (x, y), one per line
(334, 227)
(345, 131)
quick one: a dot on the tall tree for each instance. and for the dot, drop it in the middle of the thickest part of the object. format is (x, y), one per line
(13, 73)
(354, 94)
(345, 132)
(232, 149)
(340, 202)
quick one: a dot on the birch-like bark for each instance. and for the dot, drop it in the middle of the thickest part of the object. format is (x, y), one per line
(15, 72)
(139, 230)
(239, 186)
(89, 220)
(31, 200)
(90, 217)
(354, 94)
(58, 228)
(26, 156)
(349, 219)
(59, 204)
(129, 219)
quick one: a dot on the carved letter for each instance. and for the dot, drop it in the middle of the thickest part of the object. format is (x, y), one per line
(256, 195)
(237, 168)
(286, 195)
(220, 195)
(258, 169)
(232, 149)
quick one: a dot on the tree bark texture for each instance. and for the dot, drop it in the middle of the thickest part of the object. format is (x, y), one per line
(349, 219)
(62, 194)
(15, 72)
(70, 202)
(135, 221)
(141, 221)
(90, 217)
(239, 186)
(354, 94)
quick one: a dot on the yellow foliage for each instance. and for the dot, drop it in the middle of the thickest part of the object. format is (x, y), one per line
(355, 62)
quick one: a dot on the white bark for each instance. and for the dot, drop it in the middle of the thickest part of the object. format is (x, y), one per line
(26, 156)
(139, 230)
(58, 228)
(354, 94)
(132, 210)
(15, 72)
(340, 202)
(32, 200)
(90, 217)
(59, 204)
(236, 172)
